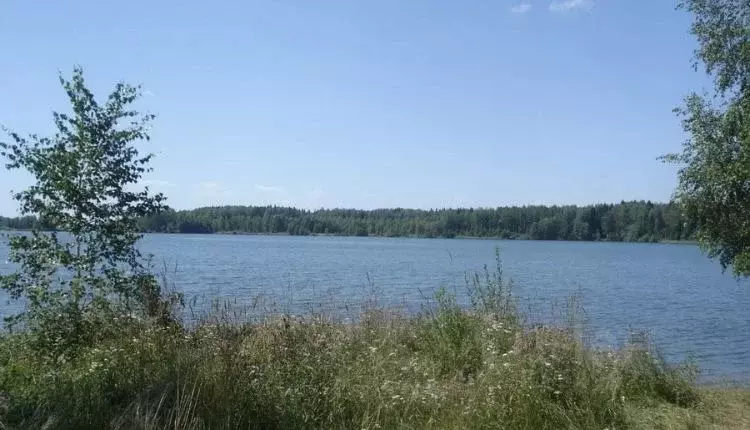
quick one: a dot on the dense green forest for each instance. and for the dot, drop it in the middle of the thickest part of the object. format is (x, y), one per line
(636, 221)
(626, 221)
(20, 223)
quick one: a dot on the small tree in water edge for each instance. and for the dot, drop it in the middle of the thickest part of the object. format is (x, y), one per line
(77, 283)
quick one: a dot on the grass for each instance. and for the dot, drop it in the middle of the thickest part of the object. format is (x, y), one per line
(719, 408)
(447, 367)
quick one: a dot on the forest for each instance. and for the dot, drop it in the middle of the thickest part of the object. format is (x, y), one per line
(636, 221)
(19, 223)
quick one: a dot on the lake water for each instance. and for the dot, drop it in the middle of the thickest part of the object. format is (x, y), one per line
(673, 291)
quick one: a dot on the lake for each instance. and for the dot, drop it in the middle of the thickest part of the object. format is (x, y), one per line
(674, 292)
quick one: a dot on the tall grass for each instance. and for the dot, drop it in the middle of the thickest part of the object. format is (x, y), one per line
(447, 367)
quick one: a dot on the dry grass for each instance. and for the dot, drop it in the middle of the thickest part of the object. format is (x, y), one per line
(719, 409)
(445, 368)
(448, 369)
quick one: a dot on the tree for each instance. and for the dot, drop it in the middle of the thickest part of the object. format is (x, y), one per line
(581, 228)
(714, 175)
(73, 281)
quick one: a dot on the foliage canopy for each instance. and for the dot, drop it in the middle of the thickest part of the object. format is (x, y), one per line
(714, 175)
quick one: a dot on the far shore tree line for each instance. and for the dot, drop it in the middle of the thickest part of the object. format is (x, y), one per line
(635, 221)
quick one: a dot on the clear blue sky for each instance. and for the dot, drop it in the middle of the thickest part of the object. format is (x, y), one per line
(339, 103)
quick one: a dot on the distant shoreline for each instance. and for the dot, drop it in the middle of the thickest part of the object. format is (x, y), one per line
(679, 242)
(634, 221)
(458, 237)
(461, 237)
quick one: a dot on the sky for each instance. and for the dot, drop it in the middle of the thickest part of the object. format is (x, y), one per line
(371, 103)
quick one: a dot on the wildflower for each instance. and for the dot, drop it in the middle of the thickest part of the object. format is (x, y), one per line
(373, 349)
(506, 364)
(557, 392)
(547, 363)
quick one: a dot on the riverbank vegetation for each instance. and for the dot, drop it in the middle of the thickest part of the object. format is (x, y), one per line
(447, 367)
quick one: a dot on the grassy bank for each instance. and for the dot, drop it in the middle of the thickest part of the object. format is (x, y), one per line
(447, 367)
